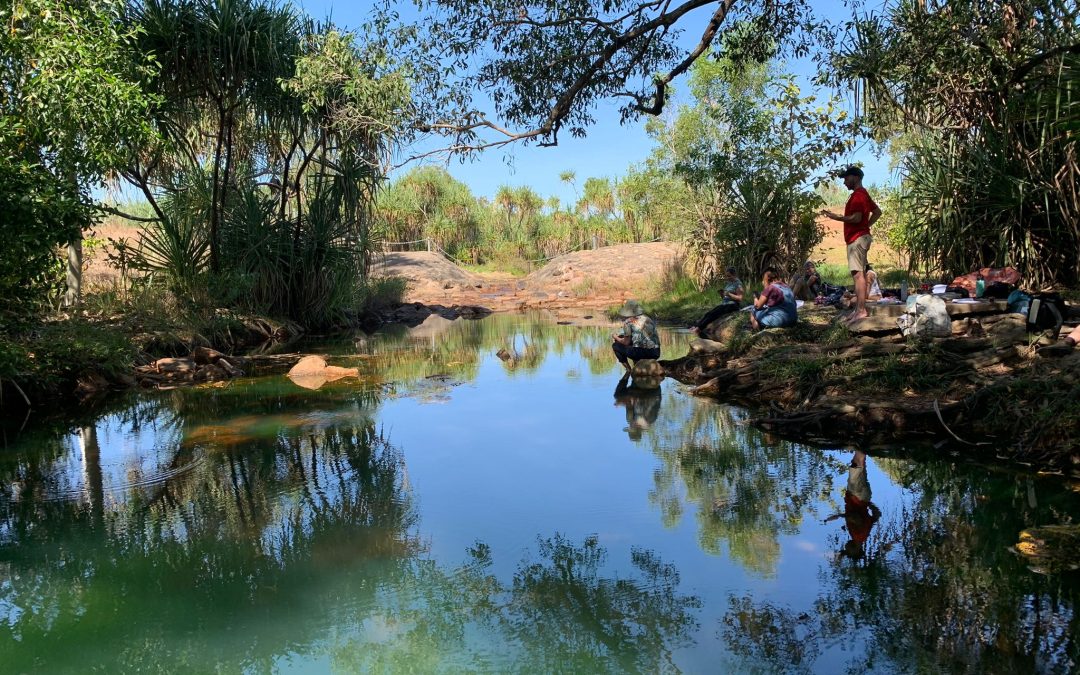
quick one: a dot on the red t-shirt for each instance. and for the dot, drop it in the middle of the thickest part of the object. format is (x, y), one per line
(858, 518)
(858, 202)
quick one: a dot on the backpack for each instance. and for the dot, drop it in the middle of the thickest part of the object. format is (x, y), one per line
(1018, 302)
(1046, 313)
(997, 290)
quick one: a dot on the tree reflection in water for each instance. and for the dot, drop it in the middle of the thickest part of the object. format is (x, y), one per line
(938, 591)
(300, 545)
(746, 489)
(559, 614)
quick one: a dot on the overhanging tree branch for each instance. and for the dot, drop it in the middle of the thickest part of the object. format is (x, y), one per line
(707, 38)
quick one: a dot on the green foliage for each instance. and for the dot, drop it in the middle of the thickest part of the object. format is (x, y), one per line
(14, 360)
(275, 136)
(49, 358)
(70, 111)
(986, 129)
(520, 227)
(547, 65)
(40, 213)
(749, 148)
(684, 302)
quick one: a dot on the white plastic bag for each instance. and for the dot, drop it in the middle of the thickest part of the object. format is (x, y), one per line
(926, 316)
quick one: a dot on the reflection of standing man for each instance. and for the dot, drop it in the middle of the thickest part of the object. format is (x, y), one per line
(859, 512)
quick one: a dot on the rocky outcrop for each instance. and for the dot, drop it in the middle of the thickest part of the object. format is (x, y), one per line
(414, 313)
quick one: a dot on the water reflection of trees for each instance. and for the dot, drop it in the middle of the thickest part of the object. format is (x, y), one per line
(938, 592)
(241, 534)
(301, 543)
(559, 614)
(745, 489)
(461, 346)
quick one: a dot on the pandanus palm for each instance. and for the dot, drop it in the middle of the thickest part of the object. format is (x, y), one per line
(221, 62)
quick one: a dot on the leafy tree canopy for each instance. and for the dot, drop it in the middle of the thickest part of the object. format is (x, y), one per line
(545, 65)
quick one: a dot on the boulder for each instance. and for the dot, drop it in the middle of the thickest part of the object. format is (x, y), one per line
(725, 328)
(311, 372)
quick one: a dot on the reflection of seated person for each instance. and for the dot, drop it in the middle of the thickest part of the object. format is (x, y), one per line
(641, 398)
(732, 300)
(638, 338)
(807, 284)
(859, 512)
(775, 307)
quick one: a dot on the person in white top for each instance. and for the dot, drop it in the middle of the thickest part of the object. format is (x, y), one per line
(873, 287)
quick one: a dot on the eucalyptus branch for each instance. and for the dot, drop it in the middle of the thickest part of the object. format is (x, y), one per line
(707, 38)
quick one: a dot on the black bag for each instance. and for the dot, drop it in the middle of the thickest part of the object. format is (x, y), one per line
(1046, 313)
(960, 291)
(998, 290)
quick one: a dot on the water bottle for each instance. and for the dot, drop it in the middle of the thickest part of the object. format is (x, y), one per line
(903, 291)
(980, 286)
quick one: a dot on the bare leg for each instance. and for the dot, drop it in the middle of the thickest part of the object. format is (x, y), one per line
(860, 297)
(753, 321)
(799, 289)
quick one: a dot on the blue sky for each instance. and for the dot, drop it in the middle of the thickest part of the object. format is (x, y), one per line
(610, 148)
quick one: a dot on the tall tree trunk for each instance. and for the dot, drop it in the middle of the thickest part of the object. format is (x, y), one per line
(215, 195)
(226, 174)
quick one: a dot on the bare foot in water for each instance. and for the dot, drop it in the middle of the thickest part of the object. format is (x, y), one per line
(856, 317)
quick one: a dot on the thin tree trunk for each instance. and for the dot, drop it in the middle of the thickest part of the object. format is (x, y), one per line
(74, 272)
(215, 195)
(74, 263)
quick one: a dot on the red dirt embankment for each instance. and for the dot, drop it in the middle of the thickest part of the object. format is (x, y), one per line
(592, 279)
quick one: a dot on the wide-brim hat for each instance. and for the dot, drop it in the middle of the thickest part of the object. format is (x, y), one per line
(631, 308)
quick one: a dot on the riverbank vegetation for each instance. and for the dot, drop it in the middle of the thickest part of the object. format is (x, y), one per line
(259, 141)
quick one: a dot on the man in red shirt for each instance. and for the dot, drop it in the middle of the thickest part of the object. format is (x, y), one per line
(859, 214)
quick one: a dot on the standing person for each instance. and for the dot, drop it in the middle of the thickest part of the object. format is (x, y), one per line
(860, 213)
(775, 307)
(638, 338)
(733, 297)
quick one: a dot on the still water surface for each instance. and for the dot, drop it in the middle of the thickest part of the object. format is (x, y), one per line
(454, 512)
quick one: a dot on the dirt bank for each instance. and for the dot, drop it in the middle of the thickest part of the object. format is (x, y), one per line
(583, 279)
(983, 390)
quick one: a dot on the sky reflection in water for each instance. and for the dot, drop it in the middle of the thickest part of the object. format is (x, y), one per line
(450, 510)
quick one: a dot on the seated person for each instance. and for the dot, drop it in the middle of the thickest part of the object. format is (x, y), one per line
(641, 398)
(873, 288)
(638, 338)
(807, 284)
(775, 307)
(733, 297)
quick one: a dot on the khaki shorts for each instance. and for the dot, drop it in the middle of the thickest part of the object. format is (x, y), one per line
(856, 253)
